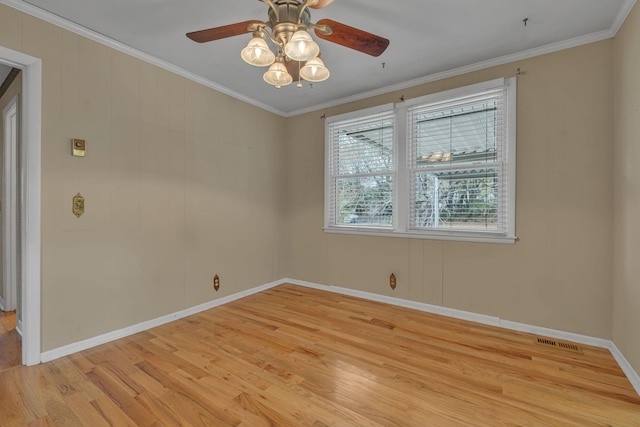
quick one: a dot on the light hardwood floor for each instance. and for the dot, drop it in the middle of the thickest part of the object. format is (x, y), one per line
(294, 356)
(9, 340)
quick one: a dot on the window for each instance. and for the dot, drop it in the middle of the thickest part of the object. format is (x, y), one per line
(362, 170)
(440, 166)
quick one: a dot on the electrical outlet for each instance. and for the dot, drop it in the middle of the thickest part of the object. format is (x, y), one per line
(392, 281)
(216, 282)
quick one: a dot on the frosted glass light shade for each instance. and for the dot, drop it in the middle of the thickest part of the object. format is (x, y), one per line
(301, 47)
(258, 53)
(277, 75)
(315, 70)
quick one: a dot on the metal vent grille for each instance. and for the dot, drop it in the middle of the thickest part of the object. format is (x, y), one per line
(562, 345)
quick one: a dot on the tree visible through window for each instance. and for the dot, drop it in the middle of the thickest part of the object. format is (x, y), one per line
(459, 202)
(364, 169)
(454, 164)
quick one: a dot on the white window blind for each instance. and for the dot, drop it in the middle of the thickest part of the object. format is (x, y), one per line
(361, 170)
(457, 163)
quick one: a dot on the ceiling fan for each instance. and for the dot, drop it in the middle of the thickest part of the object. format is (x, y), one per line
(297, 54)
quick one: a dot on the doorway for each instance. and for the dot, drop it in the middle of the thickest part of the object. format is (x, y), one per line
(10, 348)
(9, 207)
(27, 251)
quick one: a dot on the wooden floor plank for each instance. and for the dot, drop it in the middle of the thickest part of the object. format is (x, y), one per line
(295, 356)
(10, 343)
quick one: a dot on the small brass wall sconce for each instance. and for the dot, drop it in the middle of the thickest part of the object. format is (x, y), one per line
(78, 205)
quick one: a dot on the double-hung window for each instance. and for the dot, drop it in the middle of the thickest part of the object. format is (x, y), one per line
(361, 153)
(440, 166)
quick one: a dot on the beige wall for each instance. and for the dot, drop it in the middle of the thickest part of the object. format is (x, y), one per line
(626, 290)
(557, 275)
(179, 186)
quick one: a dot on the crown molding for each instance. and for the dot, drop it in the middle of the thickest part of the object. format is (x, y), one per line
(51, 18)
(502, 60)
(622, 16)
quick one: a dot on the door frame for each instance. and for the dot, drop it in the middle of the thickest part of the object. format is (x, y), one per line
(10, 121)
(31, 137)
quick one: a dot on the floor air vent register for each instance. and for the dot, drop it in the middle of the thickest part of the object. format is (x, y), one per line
(562, 345)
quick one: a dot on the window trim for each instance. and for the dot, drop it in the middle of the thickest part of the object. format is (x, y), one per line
(327, 162)
(401, 224)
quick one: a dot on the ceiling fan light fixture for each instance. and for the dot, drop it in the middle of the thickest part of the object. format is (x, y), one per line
(277, 75)
(315, 70)
(288, 29)
(257, 52)
(301, 47)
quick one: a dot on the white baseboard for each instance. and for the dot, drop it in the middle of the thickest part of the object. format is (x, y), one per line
(458, 314)
(631, 374)
(626, 367)
(1, 304)
(143, 326)
(19, 327)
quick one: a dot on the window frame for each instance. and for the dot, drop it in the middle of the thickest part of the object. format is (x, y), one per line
(401, 173)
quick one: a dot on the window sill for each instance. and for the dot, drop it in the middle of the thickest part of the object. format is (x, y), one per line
(451, 236)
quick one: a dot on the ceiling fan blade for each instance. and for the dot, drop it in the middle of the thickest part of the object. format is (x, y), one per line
(293, 67)
(353, 38)
(321, 4)
(218, 33)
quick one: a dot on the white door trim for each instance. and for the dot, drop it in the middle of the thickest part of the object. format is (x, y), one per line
(9, 205)
(31, 135)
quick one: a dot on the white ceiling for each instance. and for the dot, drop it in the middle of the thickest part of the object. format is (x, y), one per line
(427, 37)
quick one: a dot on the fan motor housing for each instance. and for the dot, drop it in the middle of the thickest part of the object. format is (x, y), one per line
(285, 22)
